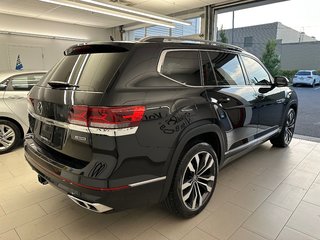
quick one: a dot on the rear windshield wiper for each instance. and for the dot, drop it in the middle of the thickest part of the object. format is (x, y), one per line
(57, 84)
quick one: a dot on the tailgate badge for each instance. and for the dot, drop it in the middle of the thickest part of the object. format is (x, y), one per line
(39, 108)
(80, 138)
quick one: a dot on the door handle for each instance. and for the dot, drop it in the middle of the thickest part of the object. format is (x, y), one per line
(224, 100)
(15, 97)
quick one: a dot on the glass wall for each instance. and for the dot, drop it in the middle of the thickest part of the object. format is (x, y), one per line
(178, 31)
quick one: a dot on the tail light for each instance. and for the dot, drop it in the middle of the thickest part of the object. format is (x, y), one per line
(30, 105)
(106, 117)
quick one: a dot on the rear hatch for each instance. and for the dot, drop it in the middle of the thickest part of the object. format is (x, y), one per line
(303, 76)
(58, 105)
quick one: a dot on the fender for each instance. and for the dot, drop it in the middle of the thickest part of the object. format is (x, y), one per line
(182, 141)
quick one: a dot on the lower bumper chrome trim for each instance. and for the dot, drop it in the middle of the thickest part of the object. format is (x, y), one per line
(95, 207)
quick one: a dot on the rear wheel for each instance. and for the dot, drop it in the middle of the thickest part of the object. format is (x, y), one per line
(194, 181)
(286, 134)
(10, 136)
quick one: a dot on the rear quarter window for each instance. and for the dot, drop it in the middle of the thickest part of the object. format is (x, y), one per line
(182, 66)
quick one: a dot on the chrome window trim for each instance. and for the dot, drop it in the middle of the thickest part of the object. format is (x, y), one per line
(93, 130)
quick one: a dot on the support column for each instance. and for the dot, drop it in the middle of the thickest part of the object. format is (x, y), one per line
(210, 23)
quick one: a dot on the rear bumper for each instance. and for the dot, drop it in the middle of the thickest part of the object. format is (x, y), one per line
(91, 193)
(303, 81)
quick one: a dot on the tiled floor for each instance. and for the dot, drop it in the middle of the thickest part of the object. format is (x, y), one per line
(268, 194)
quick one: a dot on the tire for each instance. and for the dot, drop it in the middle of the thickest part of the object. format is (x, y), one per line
(284, 138)
(194, 181)
(10, 136)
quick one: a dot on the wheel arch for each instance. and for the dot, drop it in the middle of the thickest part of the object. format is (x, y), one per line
(292, 104)
(210, 133)
(16, 123)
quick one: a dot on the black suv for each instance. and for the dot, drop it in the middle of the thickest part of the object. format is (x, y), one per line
(116, 125)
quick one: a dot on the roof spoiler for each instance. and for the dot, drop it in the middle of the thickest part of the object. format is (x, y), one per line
(94, 48)
(189, 40)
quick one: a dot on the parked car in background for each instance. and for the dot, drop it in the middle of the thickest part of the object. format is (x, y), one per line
(14, 87)
(117, 125)
(306, 77)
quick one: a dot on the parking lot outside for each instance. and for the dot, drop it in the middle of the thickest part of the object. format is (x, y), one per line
(308, 121)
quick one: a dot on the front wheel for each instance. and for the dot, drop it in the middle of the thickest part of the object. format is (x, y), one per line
(286, 134)
(194, 181)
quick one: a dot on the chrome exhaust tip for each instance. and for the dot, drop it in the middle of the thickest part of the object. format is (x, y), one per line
(42, 180)
(94, 207)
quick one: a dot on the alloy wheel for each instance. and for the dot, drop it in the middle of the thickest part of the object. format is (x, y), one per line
(290, 124)
(198, 180)
(7, 137)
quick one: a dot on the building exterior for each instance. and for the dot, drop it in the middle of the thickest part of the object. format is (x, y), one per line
(296, 49)
(254, 38)
(305, 55)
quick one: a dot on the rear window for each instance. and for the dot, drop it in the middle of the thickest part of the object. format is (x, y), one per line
(303, 73)
(91, 72)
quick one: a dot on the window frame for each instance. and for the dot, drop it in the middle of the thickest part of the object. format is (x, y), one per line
(260, 63)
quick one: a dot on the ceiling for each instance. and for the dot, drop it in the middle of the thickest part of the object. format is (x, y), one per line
(52, 12)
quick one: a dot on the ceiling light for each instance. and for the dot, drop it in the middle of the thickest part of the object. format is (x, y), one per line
(108, 12)
(25, 34)
(138, 12)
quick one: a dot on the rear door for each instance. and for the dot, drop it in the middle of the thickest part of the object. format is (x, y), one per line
(230, 97)
(269, 99)
(15, 96)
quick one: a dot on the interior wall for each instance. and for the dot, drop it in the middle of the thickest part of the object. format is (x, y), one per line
(41, 53)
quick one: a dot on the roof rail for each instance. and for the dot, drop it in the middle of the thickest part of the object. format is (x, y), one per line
(189, 40)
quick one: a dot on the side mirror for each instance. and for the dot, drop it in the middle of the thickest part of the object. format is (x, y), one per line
(2, 86)
(281, 81)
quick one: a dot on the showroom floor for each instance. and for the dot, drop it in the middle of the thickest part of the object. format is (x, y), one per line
(268, 194)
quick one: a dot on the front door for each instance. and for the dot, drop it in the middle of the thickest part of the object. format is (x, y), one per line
(269, 99)
(230, 97)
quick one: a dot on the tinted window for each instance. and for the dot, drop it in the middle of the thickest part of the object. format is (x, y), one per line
(25, 82)
(182, 66)
(256, 73)
(226, 69)
(303, 73)
(91, 72)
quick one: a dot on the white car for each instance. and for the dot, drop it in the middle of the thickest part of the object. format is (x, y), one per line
(306, 77)
(14, 87)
